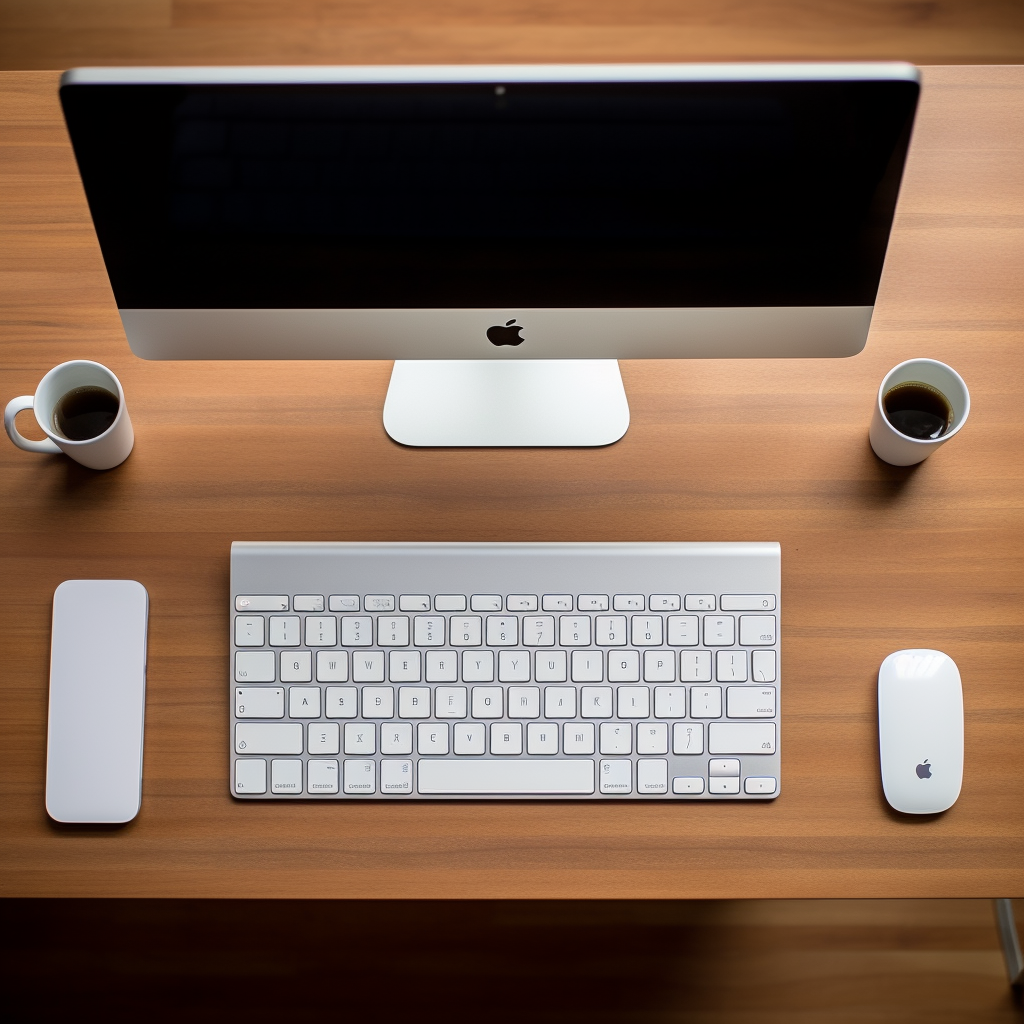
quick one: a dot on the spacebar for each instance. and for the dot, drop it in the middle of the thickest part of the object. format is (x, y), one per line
(488, 778)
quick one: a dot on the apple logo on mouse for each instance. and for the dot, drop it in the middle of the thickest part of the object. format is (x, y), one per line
(507, 335)
(924, 770)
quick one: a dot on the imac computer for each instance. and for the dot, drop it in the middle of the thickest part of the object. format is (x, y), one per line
(505, 233)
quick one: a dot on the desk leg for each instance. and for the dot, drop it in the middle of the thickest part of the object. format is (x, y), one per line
(1010, 942)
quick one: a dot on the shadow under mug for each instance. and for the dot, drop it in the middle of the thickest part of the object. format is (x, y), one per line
(104, 451)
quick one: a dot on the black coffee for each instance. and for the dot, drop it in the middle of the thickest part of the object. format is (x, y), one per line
(85, 412)
(918, 410)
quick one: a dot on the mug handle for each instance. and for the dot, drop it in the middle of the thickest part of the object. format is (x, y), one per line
(14, 406)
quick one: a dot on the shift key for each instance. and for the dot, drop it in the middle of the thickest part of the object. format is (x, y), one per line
(260, 738)
(740, 738)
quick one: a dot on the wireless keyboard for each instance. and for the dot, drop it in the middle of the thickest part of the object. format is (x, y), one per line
(505, 671)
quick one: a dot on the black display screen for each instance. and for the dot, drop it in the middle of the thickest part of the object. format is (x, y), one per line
(491, 195)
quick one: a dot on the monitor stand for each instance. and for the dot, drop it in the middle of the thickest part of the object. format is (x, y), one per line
(506, 403)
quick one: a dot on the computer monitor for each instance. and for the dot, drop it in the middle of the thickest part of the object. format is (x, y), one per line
(504, 232)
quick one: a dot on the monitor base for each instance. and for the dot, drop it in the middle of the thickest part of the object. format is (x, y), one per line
(506, 403)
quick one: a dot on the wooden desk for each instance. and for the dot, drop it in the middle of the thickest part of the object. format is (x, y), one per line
(874, 559)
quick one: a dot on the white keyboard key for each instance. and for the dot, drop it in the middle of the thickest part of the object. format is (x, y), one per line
(360, 777)
(705, 702)
(695, 667)
(368, 666)
(719, 766)
(477, 666)
(261, 603)
(688, 786)
(356, 631)
(332, 666)
(664, 603)
(523, 702)
(538, 631)
(414, 702)
(634, 702)
(259, 702)
(757, 630)
(442, 667)
(285, 776)
(616, 738)
(404, 666)
(596, 702)
(683, 630)
(731, 666)
(469, 738)
(647, 630)
(741, 738)
(396, 738)
(296, 667)
(559, 701)
(592, 602)
(450, 702)
(687, 738)
(541, 738)
(763, 785)
(378, 702)
(723, 786)
(502, 630)
(432, 738)
(651, 776)
(485, 602)
(521, 602)
(254, 667)
(670, 702)
(450, 603)
(487, 702)
(308, 603)
(506, 777)
(514, 666)
(284, 631)
(748, 602)
(659, 666)
(249, 630)
(393, 630)
(578, 738)
(551, 667)
(749, 702)
(360, 738)
(343, 603)
(652, 738)
(699, 603)
(303, 701)
(428, 631)
(466, 631)
(414, 603)
(624, 666)
(719, 630)
(610, 630)
(507, 737)
(574, 630)
(379, 602)
(257, 738)
(629, 602)
(557, 602)
(762, 666)
(587, 666)
(616, 777)
(323, 738)
(251, 775)
(396, 776)
(341, 702)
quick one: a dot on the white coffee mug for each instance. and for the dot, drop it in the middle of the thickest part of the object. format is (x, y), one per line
(104, 451)
(896, 448)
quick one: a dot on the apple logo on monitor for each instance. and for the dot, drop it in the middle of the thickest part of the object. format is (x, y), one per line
(507, 335)
(924, 771)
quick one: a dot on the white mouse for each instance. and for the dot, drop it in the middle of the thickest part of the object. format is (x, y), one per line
(921, 730)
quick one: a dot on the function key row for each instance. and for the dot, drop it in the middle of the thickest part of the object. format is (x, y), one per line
(511, 603)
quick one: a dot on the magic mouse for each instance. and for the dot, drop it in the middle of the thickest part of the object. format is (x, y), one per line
(920, 730)
(97, 701)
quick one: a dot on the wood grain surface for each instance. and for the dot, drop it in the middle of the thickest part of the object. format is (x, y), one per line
(874, 559)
